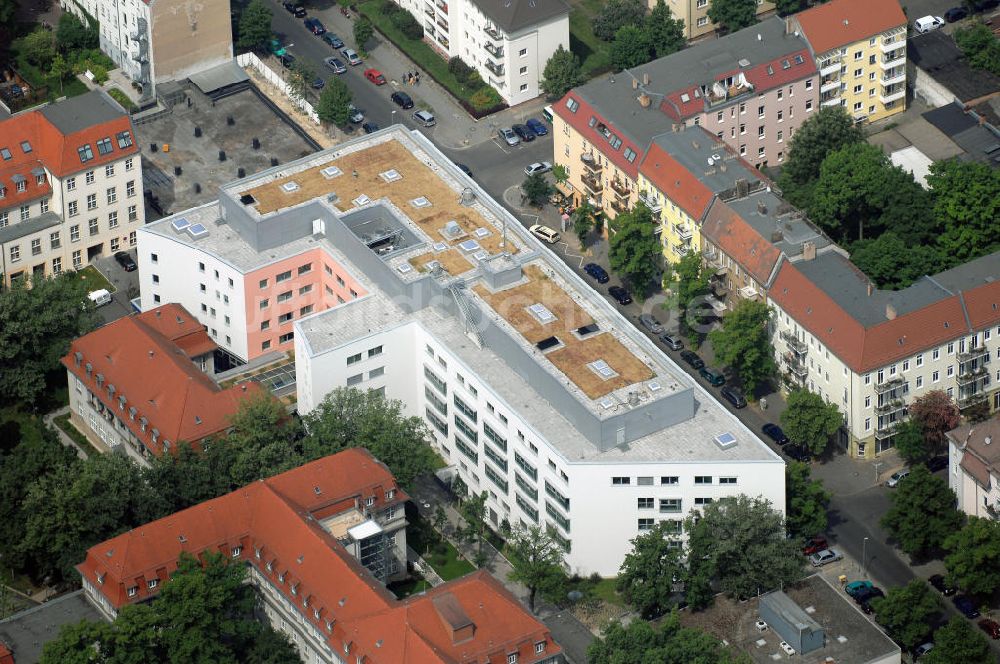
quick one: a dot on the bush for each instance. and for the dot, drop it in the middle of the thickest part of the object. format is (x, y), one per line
(407, 24)
(389, 8)
(485, 98)
(122, 99)
(461, 71)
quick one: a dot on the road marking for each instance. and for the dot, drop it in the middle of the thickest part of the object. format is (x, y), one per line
(496, 142)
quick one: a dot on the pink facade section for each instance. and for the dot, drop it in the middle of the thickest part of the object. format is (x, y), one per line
(283, 292)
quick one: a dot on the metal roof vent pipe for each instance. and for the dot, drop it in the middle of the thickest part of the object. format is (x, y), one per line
(987, 440)
(255, 143)
(222, 155)
(635, 84)
(197, 187)
(644, 100)
(197, 132)
(645, 78)
(241, 172)
(178, 170)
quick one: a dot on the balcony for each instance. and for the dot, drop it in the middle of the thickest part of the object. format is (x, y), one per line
(592, 184)
(495, 51)
(619, 206)
(590, 164)
(971, 375)
(973, 354)
(890, 406)
(795, 365)
(679, 250)
(830, 100)
(993, 511)
(886, 430)
(893, 60)
(747, 292)
(443, 6)
(830, 66)
(894, 76)
(794, 344)
(970, 400)
(890, 385)
(443, 24)
(495, 68)
(891, 93)
(653, 204)
(620, 188)
(828, 85)
(892, 44)
(493, 33)
(429, 12)
(684, 232)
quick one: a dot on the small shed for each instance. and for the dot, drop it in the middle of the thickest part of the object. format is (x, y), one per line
(791, 622)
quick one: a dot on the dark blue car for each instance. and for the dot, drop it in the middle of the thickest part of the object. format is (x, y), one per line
(597, 272)
(775, 433)
(333, 40)
(539, 128)
(966, 606)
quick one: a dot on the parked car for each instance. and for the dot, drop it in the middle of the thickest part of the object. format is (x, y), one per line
(537, 127)
(544, 233)
(287, 60)
(599, 274)
(351, 56)
(357, 115)
(897, 477)
(621, 295)
(289, 7)
(508, 136)
(370, 127)
(424, 118)
(734, 396)
(825, 557)
(402, 100)
(336, 65)
(314, 26)
(868, 594)
(937, 463)
(333, 40)
(692, 358)
(523, 133)
(465, 169)
(375, 76)
(672, 340)
(966, 606)
(955, 14)
(713, 376)
(923, 649)
(318, 83)
(991, 627)
(798, 453)
(818, 543)
(294, 9)
(537, 167)
(126, 261)
(941, 585)
(927, 23)
(866, 606)
(649, 322)
(774, 432)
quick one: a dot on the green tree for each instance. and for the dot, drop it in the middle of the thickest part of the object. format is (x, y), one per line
(633, 46)
(906, 612)
(810, 421)
(911, 443)
(894, 264)
(348, 418)
(36, 327)
(474, 512)
(189, 477)
(363, 31)
(937, 414)
(824, 131)
(647, 575)
(59, 68)
(584, 221)
(789, 7)
(255, 27)
(860, 194)
(536, 189)
(616, 14)
(73, 35)
(806, 502)
(980, 47)
(732, 15)
(262, 440)
(634, 251)
(743, 343)
(560, 173)
(537, 560)
(922, 513)
(75, 644)
(335, 103)
(667, 643)
(300, 78)
(741, 542)
(957, 641)
(665, 32)
(562, 73)
(39, 47)
(692, 283)
(973, 559)
(967, 202)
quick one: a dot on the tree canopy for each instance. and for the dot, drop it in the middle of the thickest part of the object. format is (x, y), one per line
(922, 513)
(648, 573)
(665, 31)
(806, 502)
(980, 47)
(732, 15)
(261, 440)
(826, 130)
(335, 103)
(255, 26)
(363, 31)
(937, 414)
(973, 559)
(668, 643)
(967, 204)
(537, 560)
(744, 343)
(584, 221)
(633, 46)
(562, 73)
(957, 641)
(536, 188)
(692, 282)
(72, 34)
(616, 14)
(634, 251)
(894, 264)
(906, 612)
(911, 443)
(810, 421)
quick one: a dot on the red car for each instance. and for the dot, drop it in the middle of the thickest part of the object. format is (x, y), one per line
(991, 627)
(375, 76)
(815, 545)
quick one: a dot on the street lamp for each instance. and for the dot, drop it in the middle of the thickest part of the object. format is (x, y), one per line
(864, 557)
(393, 120)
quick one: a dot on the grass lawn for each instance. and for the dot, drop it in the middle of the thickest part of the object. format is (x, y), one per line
(605, 591)
(63, 423)
(71, 86)
(122, 99)
(95, 280)
(594, 54)
(437, 551)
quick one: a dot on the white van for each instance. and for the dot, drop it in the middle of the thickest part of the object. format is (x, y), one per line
(547, 113)
(100, 297)
(544, 233)
(928, 23)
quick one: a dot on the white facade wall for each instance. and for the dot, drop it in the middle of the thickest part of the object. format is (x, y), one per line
(173, 272)
(973, 498)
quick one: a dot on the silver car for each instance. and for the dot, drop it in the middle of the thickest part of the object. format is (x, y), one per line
(650, 323)
(507, 135)
(336, 65)
(424, 118)
(825, 557)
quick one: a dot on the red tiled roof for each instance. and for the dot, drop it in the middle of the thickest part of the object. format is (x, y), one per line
(6, 657)
(738, 239)
(32, 190)
(977, 469)
(580, 121)
(770, 75)
(674, 106)
(676, 182)
(147, 358)
(982, 304)
(274, 523)
(841, 22)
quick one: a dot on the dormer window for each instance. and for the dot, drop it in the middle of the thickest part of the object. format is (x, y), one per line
(133, 590)
(369, 501)
(540, 647)
(85, 152)
(152, 583)
(269, 566)
(316, 614)
(281, 578)
(347, 647)
(390, 494)
(256, 552)
(100, 578)
(295, 589)
(40, 179)
(104, 146)
(22, 185)
(236, 551)
(512, 658)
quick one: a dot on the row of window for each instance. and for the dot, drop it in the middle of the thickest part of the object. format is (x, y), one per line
(668, 480)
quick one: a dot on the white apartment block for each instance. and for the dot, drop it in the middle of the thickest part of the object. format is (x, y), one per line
(534, 389)
(974, 468)
(70, 186)
(872, 352)
(508, 43)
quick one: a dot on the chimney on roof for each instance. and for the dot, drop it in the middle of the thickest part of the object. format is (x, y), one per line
(151, 353)
(635, 84)
(987, 440)
(157, 313)
(244, 387)
(890, 311)
(777, 236)
(645, 78)
(808, 251)
(644, 100)
(871, 288)
(761, 207)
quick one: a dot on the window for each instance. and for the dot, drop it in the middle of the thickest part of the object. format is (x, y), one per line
(702, 501)
(668, 479)
(703, 479)
(92, 201)
(935, 354)
(286, 337)
(43, 206)
(133, 213)
(92, 226)
(129, 164)
(727, 480)
(645, 503)
(265, 325)
(523, 71)
(130, 188)
(760, 111)
(104, 146)
(523, 52)
(781, 136)
(115, 242)
(112, 195)
(4, 219)
(72, 208)
(760, 131)
(57, 265)
(701, 4)
(671, 505)
(109, 170)
(36, 247)
(743, 129)
(77, 259)
(372, 352)
(743, 150)
(54, 240)
(90, 177)
(305, 269)
(15, 254)
(702, 22)
(74, 233)
(621, 481)
(284, 318)
(21, 185)
(132, 590)
(354, 359)
(302, 291)
(124, 141)
(25, 212)
(284, 276)
(284, 297)
(644, 481)
(86, 154)
(540, 647)
(809, 103)
(306, 310)
(113, 219)
(935, 376)
(375, 373)
(264, 345)
(264, 303)
(920, 382)
(70, 184)
(645, 524)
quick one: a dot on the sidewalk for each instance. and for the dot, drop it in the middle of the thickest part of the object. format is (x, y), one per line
(570, 633)
(455, 129)
(49, 420)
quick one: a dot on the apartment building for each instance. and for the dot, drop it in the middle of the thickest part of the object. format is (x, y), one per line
(295, 533)
(750, 89)
(535, 390)
(694, 13)
(871, 352)
(70, 186)
(859, 47)
(139, 386)
(153, 41)
(508, 43)
(974, 468)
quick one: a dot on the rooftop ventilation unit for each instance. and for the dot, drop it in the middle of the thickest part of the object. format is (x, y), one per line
(541, 312)
(547, 343)
(439, 246)
(405, 268)
(361, 200)
(654, 386)
(725, 440)
(247, 199)
(607, 403)
(587, 329)
(481, 233)
(331, 172)
(469, 246)
(420, 202)
(602, 369)
(197, 231)
(180, 224)
(289, 187)
(481, 255)
(743, 62)
(685, 98)
(452, 229)
(390, 175)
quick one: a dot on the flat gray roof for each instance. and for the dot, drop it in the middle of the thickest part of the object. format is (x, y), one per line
(219, 76)
(26, 632)
(691, 148)
(937, 54)
(769, 215)
(78, 113)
